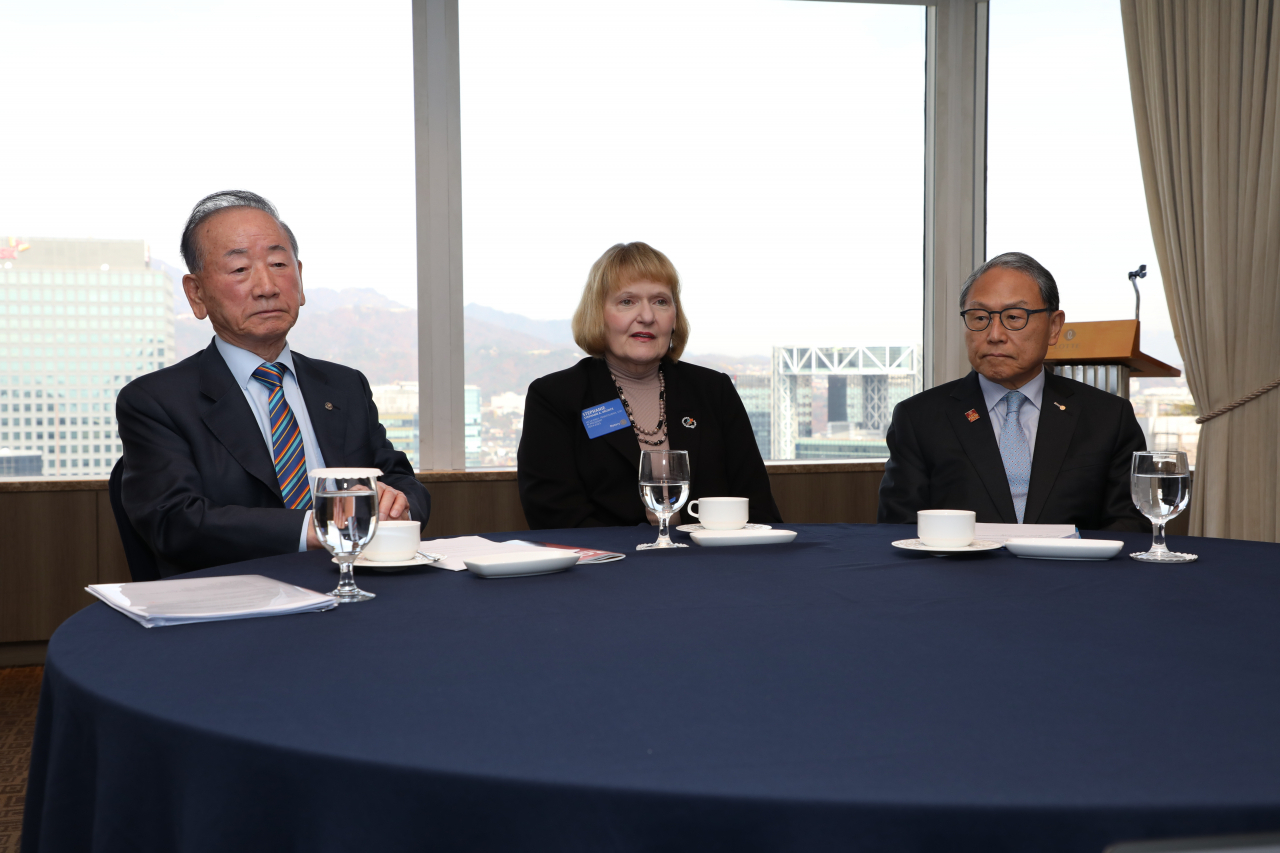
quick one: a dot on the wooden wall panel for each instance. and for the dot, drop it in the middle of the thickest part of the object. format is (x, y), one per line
(51, 555)
(825, 498)
(469, 508)
(113, 566)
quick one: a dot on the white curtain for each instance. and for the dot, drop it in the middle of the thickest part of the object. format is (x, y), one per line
(1205, 80)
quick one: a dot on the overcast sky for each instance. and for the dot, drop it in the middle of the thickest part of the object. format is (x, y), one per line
(772, 148)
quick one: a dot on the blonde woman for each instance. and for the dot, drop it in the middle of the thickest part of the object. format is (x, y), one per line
(630, 323)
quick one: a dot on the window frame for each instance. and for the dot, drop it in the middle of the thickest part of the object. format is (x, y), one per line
(955, 177)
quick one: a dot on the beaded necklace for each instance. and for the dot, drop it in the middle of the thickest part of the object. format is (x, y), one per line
(641, 432)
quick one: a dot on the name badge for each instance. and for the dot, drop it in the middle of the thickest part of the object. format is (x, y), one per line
(605, 418)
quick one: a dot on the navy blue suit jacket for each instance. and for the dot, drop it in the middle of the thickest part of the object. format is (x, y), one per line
(199, 485)
(1085, 441)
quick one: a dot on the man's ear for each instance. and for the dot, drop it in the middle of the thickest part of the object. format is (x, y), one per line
(302, 291)
(1056, 319)
(191, 287)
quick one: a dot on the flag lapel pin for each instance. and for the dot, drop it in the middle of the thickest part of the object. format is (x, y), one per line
(972, 415)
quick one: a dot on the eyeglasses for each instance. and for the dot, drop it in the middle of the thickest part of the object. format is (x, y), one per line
(1013, 319)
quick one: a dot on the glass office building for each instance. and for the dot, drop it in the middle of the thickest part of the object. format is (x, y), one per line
(78, 320)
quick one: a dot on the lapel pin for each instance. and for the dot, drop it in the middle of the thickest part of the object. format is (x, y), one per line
(328, 405)
(689, 422)
(1060, 406)
(972, 415)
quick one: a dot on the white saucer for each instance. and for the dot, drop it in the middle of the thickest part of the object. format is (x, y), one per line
(689, 528)
(973, 547)
(1065, 549)
(514, 564)
(714, 538)
(390, 565)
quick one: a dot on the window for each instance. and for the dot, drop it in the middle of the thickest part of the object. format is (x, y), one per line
(1065, 183)
(773, 150)
(96, 270)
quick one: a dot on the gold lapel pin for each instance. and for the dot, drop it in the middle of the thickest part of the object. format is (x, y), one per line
(1059, 405)
(328, 405)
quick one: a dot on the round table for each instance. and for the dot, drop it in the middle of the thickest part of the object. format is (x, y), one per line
(836, 693)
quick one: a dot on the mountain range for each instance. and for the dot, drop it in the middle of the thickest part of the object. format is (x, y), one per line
(503, 351)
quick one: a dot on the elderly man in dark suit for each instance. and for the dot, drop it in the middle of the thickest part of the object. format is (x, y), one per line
(1011, 441)
(217, 447)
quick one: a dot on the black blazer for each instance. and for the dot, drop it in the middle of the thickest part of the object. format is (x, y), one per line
(939, 459)
(569, 480)
(199, 485)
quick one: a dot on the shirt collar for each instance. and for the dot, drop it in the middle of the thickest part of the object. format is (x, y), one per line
(993, 393)
(242, 362)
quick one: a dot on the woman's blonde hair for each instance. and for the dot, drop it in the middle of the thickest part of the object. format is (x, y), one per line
(620, 265)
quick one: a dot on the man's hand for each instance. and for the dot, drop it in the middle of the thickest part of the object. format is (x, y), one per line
(392, 504)
(313, 541)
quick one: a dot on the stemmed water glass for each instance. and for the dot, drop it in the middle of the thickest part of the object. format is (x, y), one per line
(345, 513)
(1160, 482)
(664, 487)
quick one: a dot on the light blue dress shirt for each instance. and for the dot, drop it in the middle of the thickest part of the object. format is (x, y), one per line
(242, 364)
(1028, 415)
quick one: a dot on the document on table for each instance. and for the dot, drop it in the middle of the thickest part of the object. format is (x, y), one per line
(1003, 532)
(185, 600)
(460, 547)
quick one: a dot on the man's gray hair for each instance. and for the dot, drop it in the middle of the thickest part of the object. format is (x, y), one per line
(1023, 264)
(211, 204)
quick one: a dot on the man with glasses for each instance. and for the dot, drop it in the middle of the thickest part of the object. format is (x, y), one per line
(1012, 441)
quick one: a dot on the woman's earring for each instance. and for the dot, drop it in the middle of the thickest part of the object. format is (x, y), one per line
(671, 342)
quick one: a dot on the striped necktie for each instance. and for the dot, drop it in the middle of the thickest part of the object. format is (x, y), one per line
(287, 452)
(1016, 452)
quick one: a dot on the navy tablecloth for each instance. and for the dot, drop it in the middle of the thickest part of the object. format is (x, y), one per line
(831, 694)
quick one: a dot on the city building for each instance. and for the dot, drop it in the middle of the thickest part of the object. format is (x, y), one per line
(472, 426)
(1167, 415)
(861, 384)
(20, 463)
(79, 319)
(756, 391)
(398, 413)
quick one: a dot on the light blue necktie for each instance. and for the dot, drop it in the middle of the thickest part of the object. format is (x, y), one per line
(1015, 452)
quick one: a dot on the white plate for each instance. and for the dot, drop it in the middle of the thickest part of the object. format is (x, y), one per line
(1065, 549)
(689, 528)
(715, 538)
(973, 547)
(514, 564)
(391, 565)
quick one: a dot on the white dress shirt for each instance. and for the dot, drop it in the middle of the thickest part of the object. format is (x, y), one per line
(242, 364)
(1028, 415)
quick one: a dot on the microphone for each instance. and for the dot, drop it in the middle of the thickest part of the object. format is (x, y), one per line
(1140, 272)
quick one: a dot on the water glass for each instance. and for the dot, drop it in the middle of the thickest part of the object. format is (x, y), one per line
(664, 487)
(344, 511)
(1160, 483)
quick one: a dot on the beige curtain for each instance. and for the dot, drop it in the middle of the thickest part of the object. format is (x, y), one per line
(1205, 79)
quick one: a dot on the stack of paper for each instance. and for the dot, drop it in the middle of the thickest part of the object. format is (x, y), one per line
(1004, 532)
(186, 600)
(460, 547)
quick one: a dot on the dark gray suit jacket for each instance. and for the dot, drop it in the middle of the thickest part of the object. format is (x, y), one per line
(939, 459)
(199, 485)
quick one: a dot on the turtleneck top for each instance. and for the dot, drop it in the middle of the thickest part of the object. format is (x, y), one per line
(642, 390)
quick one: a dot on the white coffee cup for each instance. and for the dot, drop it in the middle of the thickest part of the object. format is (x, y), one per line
(394, 542)
(720, 513)
(945, 528)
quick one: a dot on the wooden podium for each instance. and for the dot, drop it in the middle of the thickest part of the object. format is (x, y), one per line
(1104, 354)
